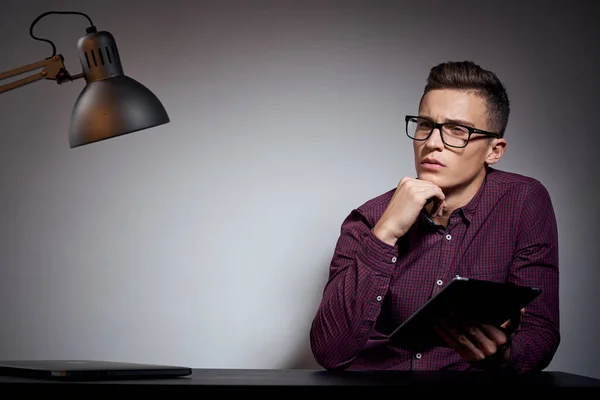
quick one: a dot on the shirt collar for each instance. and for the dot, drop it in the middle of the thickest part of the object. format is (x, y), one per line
(468, 210)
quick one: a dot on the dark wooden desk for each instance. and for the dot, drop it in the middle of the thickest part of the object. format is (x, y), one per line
(203, 380)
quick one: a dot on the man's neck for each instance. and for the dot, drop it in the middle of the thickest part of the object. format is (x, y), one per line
(458, 197)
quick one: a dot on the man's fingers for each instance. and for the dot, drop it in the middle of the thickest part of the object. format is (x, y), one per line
(452, 342)
(498, 336)
(440, 209)
(486, 340)
(513, 323)
(462, 343)
(447, 337)
(439, 202)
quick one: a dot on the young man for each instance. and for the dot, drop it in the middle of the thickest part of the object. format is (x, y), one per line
(459, 216)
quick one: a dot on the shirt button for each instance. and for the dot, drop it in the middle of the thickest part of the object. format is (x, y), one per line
(448, 237)
(394, 259)
(439, 282)
(418, 355)
(379, 298)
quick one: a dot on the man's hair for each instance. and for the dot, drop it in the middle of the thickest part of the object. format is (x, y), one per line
(468, 76)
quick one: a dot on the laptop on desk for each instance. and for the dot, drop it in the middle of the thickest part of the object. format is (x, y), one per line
(89, 370)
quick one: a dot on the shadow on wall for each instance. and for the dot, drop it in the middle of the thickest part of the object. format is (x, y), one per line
(307, 363)
(304, 358)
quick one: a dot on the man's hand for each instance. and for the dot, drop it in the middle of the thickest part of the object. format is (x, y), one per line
(482, 345)
(410, 197)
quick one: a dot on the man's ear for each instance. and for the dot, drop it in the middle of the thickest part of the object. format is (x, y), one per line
(495, 151)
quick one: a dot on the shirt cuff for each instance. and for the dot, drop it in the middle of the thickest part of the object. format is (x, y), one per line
(377, 254)
(514, 361)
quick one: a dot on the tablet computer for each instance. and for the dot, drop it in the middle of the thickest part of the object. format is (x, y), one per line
(472, 299)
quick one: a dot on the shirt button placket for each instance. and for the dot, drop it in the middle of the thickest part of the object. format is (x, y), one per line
(442, 266)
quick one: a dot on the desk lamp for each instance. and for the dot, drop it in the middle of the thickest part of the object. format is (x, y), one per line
(111, 104)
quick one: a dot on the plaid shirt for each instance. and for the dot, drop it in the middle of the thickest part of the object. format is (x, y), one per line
(507, 232)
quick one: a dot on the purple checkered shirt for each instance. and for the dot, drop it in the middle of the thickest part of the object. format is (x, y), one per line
(506, 233)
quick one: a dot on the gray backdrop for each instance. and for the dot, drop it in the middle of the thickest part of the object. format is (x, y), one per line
(206, 242)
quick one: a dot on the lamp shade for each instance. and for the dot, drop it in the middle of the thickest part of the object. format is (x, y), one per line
(111, 104)
(113, 107)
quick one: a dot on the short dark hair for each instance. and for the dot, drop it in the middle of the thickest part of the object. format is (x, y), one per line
(468, 76)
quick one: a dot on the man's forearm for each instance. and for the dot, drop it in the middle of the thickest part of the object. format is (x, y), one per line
(533, 349)
(351, 302)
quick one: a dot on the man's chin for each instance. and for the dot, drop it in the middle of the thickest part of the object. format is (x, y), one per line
(437, 179)
(432, 177)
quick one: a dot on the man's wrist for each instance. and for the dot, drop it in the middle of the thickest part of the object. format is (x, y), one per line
(384, 236)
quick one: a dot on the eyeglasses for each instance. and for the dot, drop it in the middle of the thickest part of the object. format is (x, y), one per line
(452, 134)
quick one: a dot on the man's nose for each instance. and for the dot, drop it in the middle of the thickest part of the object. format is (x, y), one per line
(435, 139)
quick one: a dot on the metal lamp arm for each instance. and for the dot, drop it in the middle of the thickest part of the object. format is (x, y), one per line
(53, 69)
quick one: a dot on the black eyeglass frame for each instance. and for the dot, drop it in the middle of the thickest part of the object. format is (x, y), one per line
(439, 126)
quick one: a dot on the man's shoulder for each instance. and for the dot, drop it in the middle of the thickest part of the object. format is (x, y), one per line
(379, 200)
(373, 208)
(517, 192)
(506, 181)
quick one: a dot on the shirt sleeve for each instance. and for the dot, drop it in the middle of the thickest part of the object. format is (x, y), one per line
(359, 276)
(535, 263)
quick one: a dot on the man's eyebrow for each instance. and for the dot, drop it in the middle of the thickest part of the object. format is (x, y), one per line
(451, 121)
(459, 122)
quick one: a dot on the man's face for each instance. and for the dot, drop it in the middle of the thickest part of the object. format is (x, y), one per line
(460, 166)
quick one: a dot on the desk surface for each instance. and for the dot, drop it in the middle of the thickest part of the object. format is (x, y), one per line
(298, 378)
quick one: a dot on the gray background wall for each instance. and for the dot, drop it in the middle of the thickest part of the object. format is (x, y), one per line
(206, 242)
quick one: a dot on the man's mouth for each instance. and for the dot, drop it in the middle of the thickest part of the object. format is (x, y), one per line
(432, 163)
